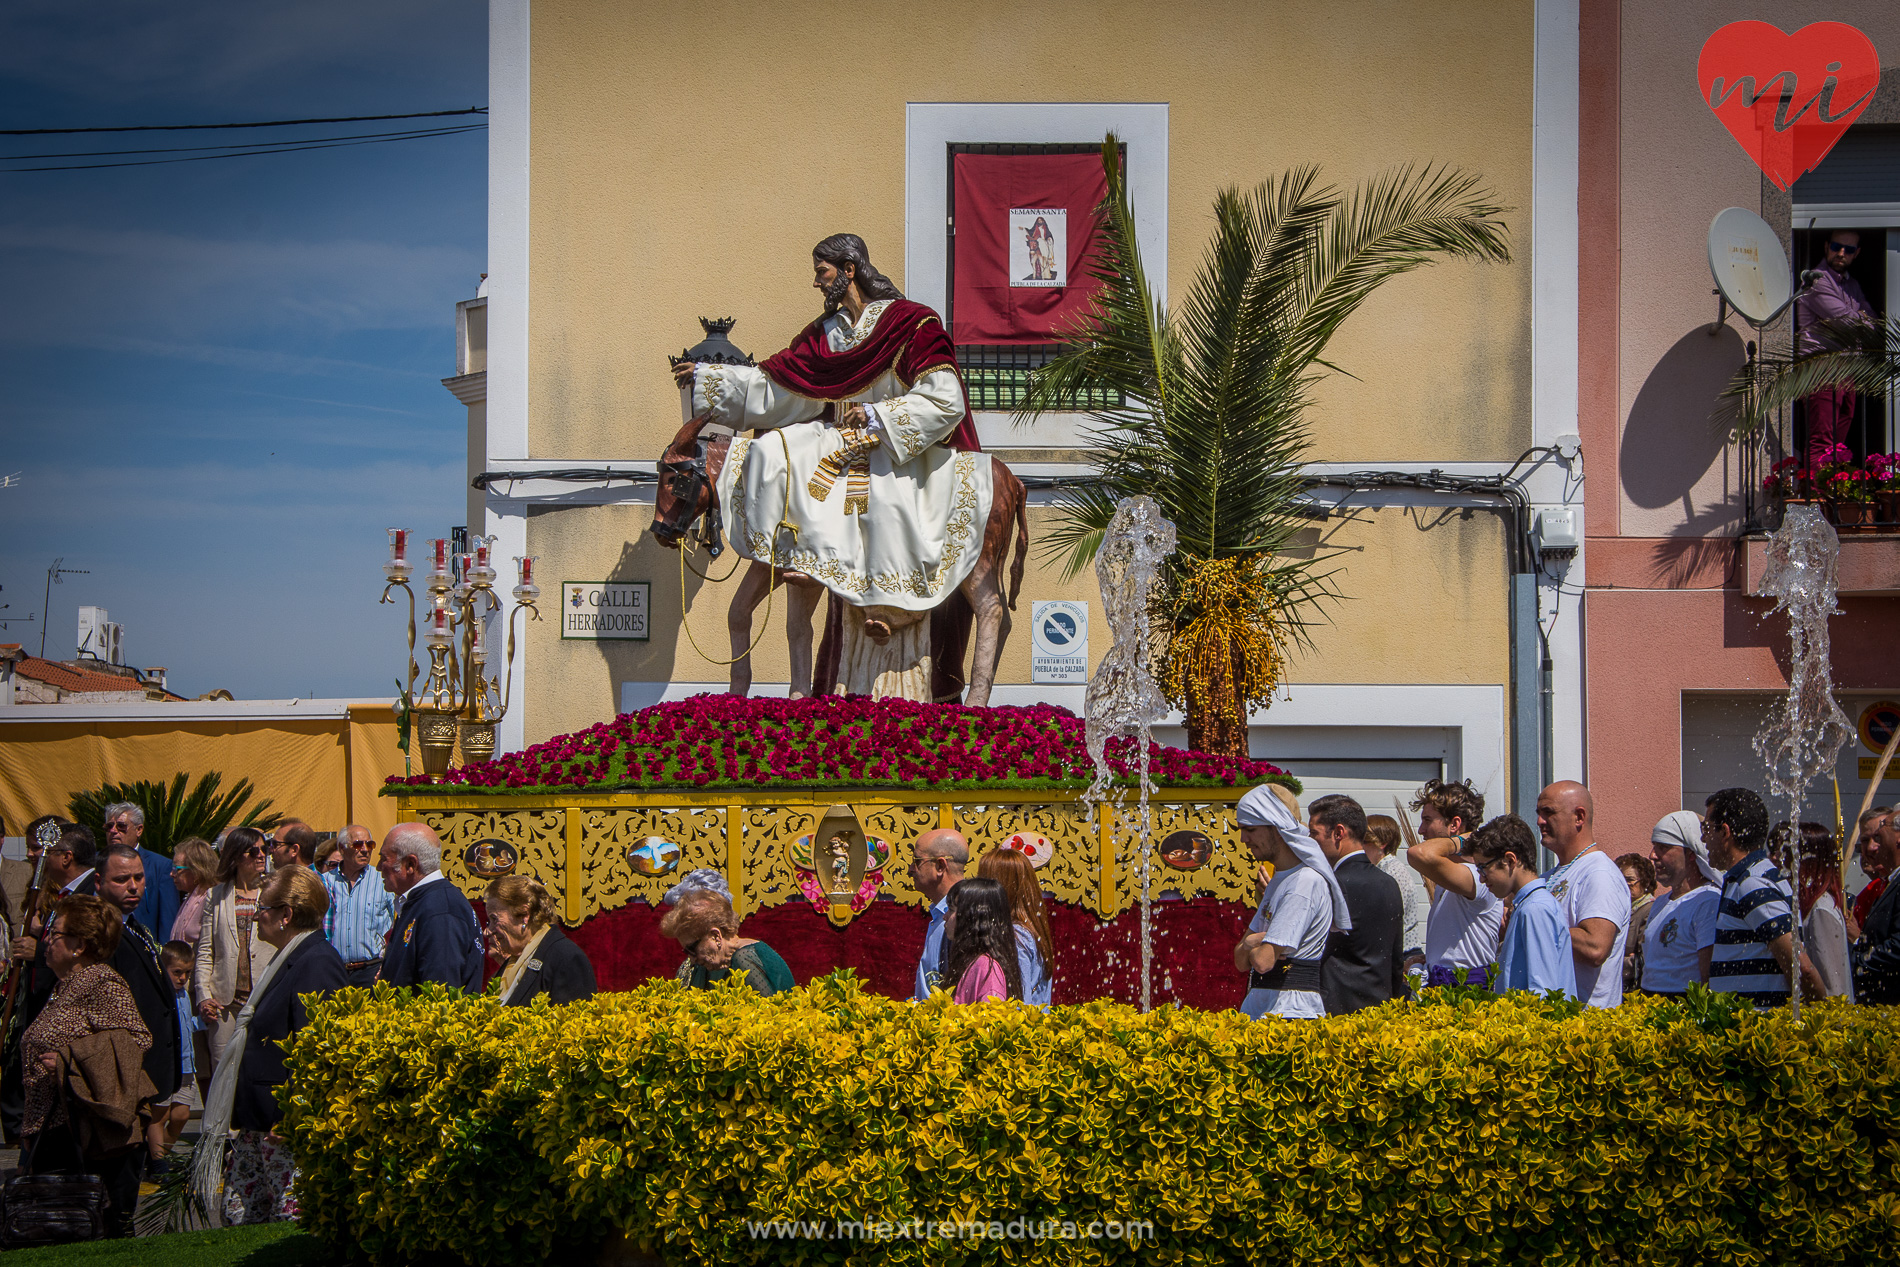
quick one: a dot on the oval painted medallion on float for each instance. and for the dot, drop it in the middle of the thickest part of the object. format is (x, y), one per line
(490, 858)
(1187, 850)
(1037, 848)
(654, 856)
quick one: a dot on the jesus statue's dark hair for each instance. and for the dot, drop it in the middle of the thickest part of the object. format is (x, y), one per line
(848, 248)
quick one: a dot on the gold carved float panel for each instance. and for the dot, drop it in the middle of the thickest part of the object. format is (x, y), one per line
(598, 852)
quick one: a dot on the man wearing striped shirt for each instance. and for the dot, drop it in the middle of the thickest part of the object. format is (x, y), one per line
(361, 909)
(1754, 929)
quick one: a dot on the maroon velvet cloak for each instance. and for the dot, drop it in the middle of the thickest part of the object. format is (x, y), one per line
(908, 338)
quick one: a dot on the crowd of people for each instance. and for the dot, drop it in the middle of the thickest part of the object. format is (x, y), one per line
(150, 988)
(1708, 904)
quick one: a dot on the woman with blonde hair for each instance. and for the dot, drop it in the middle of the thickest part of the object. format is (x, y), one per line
(708, 931)
(527, 944)
(1035, 949)
(194, 871)
(259, 1185)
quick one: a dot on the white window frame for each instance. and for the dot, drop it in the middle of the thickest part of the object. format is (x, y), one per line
(931, 127)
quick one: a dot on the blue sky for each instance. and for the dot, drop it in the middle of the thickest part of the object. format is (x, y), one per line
(222, 379)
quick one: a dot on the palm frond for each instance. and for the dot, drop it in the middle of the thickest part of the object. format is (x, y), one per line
(1396, 222)
(175, 810)
(1212, 423)
(1865, 356)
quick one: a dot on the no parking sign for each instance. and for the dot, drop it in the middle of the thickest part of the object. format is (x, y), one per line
(1059, 641)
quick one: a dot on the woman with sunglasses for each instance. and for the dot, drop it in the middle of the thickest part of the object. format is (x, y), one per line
(88, 1035)
(194, 871)
(230, 956)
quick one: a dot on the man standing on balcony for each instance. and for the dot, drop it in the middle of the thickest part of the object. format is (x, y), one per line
(1836, 297)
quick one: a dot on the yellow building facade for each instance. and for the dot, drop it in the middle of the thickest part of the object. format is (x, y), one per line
(649, 168)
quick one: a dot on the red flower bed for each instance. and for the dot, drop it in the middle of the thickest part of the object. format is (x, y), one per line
(724, 741)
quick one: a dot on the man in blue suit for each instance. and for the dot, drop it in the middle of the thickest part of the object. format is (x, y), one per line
(125, 824)
(435, 937)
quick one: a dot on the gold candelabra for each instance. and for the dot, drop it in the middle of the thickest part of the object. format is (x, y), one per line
(459, 698)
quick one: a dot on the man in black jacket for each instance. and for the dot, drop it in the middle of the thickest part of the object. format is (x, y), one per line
(1877, 977)
(435, 937)
(122, 883)
(1363, 965)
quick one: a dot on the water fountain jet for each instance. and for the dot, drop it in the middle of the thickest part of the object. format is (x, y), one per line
(1122, 698)
(1805, 732)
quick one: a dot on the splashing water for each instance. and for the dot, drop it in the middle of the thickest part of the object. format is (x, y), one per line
(1804, 734)
(1122, 698)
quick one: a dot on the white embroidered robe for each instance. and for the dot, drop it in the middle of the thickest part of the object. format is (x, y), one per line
(928, 505)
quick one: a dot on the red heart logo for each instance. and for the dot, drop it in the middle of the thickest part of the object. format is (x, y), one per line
(1787, 98)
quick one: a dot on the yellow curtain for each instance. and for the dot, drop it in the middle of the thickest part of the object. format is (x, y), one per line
(325, 771)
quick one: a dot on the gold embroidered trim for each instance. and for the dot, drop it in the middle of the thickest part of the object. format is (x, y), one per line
(850, 336)
(710, 382)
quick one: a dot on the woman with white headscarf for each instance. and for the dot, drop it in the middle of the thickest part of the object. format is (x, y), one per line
(1679, 940)
(1303, 904)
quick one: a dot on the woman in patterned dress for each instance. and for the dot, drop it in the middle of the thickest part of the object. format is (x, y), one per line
(89, 1003)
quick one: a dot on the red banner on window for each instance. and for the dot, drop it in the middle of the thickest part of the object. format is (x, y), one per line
(1026, 240)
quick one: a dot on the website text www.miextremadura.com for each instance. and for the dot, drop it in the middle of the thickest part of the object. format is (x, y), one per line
(954, 1230)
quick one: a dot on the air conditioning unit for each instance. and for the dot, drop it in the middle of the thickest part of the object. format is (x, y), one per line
(95, 634)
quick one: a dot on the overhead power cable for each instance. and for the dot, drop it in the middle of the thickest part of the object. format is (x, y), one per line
(268, 123)
(261, 148)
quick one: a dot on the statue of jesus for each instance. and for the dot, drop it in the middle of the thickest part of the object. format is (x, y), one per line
(885, 486)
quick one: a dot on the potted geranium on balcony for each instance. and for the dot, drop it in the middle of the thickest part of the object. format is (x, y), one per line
(1883, 470)
(1851, 492)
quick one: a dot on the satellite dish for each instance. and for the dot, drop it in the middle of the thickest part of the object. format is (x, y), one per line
(1751, 271)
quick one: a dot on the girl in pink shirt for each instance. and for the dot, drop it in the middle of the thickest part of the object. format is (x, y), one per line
(979, 961)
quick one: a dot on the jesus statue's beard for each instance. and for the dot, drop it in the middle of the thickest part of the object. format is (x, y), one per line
(834, 292)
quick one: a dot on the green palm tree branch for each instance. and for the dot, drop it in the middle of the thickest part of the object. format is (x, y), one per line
(1395, 223)
(175, 810)
(1865, 357)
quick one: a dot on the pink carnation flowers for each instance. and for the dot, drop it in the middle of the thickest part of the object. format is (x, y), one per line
(725, 741)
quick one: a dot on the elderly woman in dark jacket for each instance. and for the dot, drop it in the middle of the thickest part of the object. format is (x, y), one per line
(290, 910)
(82, 1058)
(527, 944)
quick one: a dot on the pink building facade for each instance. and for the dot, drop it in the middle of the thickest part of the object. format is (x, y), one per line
(1680, 657)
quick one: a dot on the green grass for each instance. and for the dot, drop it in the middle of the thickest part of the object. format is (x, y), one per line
(263, 1245)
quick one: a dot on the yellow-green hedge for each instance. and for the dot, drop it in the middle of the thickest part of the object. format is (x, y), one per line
(1506, 1131)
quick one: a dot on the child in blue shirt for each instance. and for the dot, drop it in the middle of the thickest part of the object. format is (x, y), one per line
(1535, 953)
(177, 958)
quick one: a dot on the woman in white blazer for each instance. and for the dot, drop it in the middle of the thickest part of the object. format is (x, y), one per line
(231, 957)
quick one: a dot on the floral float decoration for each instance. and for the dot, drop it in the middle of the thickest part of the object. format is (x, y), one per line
(722, 741)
